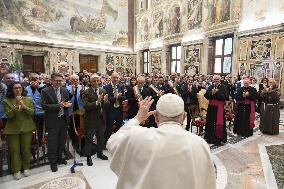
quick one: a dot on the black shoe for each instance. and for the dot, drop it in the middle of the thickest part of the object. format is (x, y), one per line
(89, 161)
(53, 167)
(102, 156)
(62, 161)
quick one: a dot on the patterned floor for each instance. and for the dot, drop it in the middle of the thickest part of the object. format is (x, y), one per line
(233, 138)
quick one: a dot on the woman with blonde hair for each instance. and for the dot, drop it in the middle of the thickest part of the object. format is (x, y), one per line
(269, 111)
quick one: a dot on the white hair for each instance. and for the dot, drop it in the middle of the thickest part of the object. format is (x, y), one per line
(94, 76)
(74, 76)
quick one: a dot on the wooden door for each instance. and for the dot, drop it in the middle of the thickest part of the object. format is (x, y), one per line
(89, 63)
(33, 64)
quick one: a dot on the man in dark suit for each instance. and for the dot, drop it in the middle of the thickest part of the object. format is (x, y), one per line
(189, 96)
(55, 103)
(115, 110)
(134, 94)
(95, 102)
(155, 91)
(173, 85)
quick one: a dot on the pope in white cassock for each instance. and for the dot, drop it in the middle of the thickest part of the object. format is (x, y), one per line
(167, 157)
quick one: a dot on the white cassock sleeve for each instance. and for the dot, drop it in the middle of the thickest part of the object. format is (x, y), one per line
(117, 145)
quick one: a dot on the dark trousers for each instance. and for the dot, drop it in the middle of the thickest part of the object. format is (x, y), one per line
(90, 148)
(57, 133)
(113, 115)
(39, 122)
(98, 128)
(71, 129)
(192, 112)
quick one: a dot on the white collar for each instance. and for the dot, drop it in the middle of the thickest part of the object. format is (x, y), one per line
(167, 123)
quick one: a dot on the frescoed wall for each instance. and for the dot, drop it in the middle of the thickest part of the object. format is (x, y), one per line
(262, 56)
(156, 63)
(97, 21)
(158, 25)
(121, 63)
(261, 13)
(194, 17)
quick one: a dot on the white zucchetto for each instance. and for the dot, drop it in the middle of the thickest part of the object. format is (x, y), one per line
(170, 105)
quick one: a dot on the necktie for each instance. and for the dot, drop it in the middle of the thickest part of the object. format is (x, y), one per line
(75, 107)
(58, 96)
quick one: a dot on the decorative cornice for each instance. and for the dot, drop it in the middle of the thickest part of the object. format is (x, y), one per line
(190, 43)
(262, 31)
(222, 30)
(63, 46)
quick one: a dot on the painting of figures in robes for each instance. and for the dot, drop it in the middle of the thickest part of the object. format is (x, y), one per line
(96, 21)
(158, 27)
(277, 72)
(194, 17)
(174, 20)
(220, 11)
(242, 69)
(145, 30)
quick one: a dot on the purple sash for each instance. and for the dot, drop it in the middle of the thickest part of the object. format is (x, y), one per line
(220, 116)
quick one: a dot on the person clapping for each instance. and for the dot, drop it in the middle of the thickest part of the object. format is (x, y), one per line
(19, 128)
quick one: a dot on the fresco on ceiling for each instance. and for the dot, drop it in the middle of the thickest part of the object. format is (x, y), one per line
(99, 21)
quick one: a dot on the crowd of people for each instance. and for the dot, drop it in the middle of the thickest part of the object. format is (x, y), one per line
(49, 101)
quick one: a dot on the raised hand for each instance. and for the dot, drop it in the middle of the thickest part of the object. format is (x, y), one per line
(143, 112)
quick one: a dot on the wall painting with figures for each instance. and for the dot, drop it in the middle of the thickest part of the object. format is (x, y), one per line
(96, 21)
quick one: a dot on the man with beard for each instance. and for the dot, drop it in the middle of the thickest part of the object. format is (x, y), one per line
(215, 128)
(138, 92)
(189, 97)
(246, 98)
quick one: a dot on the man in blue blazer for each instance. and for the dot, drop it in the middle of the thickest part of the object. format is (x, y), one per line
(74, 90)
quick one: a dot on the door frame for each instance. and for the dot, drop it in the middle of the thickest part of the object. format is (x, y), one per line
(45, 55)
(101, 65)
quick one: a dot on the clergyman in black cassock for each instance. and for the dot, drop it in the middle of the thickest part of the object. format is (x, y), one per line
(246, 98)
(215, 128)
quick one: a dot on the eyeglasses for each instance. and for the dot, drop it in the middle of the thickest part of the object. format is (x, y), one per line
(58, 81)
(17, 87)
